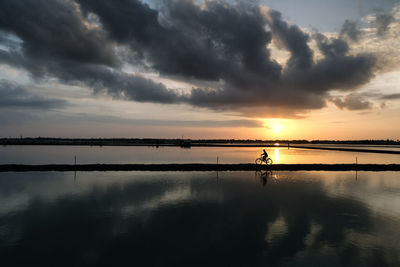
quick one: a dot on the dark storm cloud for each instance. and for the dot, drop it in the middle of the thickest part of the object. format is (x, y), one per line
(219, 42)
(225, 44)
(382, 21)
(350, 30)
(57, 42)
(99, 77)
(351, 102)
(54, 30)
(116, 83)
(293, 39)
(8, 42)
(13, 95)
(331, 48)
(303, 83)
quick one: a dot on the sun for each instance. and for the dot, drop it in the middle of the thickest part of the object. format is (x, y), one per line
(275, 125)
(276, 128)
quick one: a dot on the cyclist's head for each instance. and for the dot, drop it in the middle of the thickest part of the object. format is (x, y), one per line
(264, 150)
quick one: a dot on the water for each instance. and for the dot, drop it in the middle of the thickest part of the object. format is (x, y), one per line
(200, 219)
(356, 146)
(123, 155)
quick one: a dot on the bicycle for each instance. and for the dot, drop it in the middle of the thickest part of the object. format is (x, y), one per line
(260, 161)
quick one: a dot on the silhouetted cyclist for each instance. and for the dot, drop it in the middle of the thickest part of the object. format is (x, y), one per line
(264, 155)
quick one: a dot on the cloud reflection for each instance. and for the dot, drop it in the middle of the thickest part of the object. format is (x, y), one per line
(189, 219)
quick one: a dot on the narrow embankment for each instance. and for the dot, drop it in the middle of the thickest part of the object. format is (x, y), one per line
(363, 150)
(199, 167)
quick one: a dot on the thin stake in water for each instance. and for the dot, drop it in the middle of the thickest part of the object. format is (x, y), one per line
(75, 169)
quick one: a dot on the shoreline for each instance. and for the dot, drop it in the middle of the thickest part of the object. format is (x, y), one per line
(270, 146)
(198, 167)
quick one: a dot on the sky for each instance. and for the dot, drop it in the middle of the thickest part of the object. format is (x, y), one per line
(268, 69)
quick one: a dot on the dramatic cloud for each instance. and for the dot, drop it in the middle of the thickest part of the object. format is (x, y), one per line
(182, 39)
(350, 30)
(225, 45)
(54, 30)
(382, 21)
(12, 95)
(381, 39)
(351, 102)
(293, 39)
(331, 48)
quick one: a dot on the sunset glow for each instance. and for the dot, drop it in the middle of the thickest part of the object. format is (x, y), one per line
(275, 126)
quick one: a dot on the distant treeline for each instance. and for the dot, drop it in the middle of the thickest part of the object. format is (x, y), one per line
(177, 142)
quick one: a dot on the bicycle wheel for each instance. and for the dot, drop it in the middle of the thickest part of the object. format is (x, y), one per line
(269, 161)
(259, 161)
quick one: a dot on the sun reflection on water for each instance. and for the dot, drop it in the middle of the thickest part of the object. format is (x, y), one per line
(276, 159)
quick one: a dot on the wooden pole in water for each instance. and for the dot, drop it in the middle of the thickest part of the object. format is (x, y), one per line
(75, 169)
(356, 168)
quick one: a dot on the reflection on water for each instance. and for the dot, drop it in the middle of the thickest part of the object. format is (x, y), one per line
(132, 154)
(276, 158)
(200, 219)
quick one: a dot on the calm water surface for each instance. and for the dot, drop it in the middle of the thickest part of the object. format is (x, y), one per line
(200, 219)
(132, 154)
